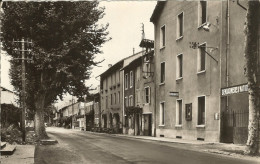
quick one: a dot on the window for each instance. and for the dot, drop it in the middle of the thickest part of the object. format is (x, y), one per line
(126, 81)
(202, 12)
(179, 112)
(111, 98)
(147, 69)
(126, 101)
(202, 57)
(162, 37)
(180, 25)
(147, 95)
(114, 78)
(106, 81)
(114, 98)
(131, 100)
(162, 72)
(131, 79)
(106, 102)
(162, 106)
(118, 97)
(119, 76)
(126, 121)
(201, 110)
(179, 66)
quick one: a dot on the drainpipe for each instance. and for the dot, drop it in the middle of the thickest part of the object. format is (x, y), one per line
(220, 79)
(154, 79)
(123, 101)
(227, 50)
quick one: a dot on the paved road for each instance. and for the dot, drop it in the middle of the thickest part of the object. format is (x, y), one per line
(81, 147)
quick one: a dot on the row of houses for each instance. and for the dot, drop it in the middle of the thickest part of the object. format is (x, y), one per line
(79, 115)
(188, 83)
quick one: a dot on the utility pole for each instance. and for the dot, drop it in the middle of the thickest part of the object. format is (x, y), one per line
(0, 52)
(23, 92)
(23, 105)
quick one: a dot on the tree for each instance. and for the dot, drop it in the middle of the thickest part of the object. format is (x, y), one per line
(251, 52)
(66, 37)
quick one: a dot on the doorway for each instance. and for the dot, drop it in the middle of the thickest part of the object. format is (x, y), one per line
(147, 124)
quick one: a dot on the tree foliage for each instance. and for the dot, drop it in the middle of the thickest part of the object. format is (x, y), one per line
(65, 38)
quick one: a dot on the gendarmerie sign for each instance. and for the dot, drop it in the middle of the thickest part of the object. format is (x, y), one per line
(234, 89)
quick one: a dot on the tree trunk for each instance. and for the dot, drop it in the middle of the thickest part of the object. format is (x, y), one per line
(251, 40)
(39, 119)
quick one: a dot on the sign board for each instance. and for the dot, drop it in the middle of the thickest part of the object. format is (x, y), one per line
(234, 90)
(174, 94)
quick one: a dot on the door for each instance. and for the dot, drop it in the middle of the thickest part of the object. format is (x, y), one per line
(227, 126)
(137, 124)
(147, 124)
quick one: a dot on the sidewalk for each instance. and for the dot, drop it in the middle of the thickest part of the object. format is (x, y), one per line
(23, 154)
(233, 150)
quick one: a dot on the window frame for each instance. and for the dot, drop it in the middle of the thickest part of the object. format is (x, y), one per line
(162, 37)
(106, 102)
(126, 81)
(178, 122)
(162, 117)
(149, 94)
(199, 66)
(111, 97)
(115, 98)
(118, 93)
(131, 78)
(179, 33)
(126, 101)
(164, 77)
(200, 22)
(198, 112)
(178, 76)
(131, 102)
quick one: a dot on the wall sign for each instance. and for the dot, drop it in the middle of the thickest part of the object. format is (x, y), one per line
(174, 94)
(234, 90)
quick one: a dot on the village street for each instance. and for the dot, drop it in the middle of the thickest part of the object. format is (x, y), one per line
(85, 147)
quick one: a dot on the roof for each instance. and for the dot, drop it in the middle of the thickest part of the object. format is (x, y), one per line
(157, 11)
(137, 60)
(118, 65)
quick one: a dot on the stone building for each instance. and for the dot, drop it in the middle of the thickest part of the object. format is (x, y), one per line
(138, 88)
(111, 97)
(199, 54)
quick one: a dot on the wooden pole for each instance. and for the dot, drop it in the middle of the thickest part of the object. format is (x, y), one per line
(23, 92)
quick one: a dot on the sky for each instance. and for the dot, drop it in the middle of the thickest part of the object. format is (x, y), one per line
(125, 20)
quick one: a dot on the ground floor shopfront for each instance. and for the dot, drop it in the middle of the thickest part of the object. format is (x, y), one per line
(111, 122)
(137, 122)
(214, 118)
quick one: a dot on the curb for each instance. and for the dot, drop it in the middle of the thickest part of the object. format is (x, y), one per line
(48, 142)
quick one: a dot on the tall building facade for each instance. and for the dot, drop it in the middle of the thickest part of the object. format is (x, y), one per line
(199, 51)
(111, 96)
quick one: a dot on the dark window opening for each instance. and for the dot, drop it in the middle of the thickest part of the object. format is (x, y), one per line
(201, 110)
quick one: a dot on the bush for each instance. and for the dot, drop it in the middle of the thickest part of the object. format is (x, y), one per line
(10, 114)
(11, 134)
